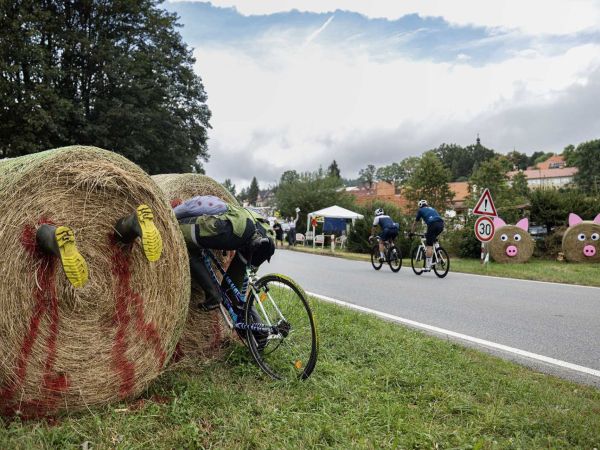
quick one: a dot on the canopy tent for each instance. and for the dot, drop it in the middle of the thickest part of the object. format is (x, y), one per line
(333, 212)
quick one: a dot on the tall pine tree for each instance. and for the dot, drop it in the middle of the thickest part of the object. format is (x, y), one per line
(112, 74)
(253, 191)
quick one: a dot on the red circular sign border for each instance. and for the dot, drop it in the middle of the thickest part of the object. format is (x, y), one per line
(481, 219)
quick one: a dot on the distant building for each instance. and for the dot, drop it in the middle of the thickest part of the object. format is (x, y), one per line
(461, 193)
(265, 198)
(387, 192)
(380, 190)
(551, 173)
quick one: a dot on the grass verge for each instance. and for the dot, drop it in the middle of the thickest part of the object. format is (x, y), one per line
(376, 385)
(586, 274)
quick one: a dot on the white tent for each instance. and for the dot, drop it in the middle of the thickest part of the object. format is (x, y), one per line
(333, 212)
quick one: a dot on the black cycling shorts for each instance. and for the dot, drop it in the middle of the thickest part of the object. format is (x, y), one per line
(389, 233)
(433, 231)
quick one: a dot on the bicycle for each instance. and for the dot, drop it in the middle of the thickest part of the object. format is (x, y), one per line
(272, 316)
(393, 255)
(440, 261)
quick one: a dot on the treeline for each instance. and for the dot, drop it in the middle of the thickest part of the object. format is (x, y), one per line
(111, 74)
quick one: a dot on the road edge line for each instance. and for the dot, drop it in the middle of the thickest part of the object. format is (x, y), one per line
(464, 337)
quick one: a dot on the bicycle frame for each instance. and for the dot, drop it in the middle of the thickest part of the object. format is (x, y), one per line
(238, 322)
(423, 250)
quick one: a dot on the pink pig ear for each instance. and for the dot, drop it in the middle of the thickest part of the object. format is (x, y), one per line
(498, 222)
(597, 219)
(574, 219)
(523, 224)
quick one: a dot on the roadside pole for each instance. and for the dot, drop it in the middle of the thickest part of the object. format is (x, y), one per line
(484, 226)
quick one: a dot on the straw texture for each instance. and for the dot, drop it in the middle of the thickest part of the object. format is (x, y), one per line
(65, 348)
(206, 333)
(573, 247)
(498, 247)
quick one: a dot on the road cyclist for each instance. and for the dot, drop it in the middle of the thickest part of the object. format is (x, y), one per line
(385, 249)
(435, 225)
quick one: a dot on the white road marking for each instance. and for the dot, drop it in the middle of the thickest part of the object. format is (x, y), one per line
(464, 337)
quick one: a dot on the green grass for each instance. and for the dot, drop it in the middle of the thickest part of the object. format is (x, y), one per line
(587, 274)
(377, 385)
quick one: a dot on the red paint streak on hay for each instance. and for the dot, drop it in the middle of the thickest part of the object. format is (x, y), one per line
(46, 301)
(126, 300)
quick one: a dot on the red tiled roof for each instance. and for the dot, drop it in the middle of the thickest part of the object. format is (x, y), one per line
(460, 189)
(553, 159)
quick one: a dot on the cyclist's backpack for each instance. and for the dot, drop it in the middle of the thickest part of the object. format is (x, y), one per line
(236, 229)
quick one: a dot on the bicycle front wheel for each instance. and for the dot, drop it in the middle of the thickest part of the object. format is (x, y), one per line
(290, 350)
(375, 258)
(395, 258)
(442, 265)
(417, 260)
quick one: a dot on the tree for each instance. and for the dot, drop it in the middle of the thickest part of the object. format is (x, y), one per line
(333, 170)
(289, 176)
(253, 191)
(456, 159)
(112, 74)
(309, 192)
(492, 175)
(520, 187)
(227, 184)
(367, 175)
(570, 155)
(430, 181)
(587, 161)
(518, 160)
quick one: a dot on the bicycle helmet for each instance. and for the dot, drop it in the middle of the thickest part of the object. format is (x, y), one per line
(379, 212)
(422, 203)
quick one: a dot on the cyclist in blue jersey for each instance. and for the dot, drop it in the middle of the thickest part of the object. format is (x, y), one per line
(389, 230)
(435, 225)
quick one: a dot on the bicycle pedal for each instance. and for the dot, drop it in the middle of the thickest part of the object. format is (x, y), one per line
(151, 238)
(73, 263)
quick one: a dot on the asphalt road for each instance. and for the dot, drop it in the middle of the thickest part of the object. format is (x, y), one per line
(553, 320)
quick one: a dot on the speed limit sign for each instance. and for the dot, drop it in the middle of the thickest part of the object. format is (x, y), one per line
(484, 229)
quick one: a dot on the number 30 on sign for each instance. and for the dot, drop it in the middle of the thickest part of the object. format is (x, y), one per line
(484, 229)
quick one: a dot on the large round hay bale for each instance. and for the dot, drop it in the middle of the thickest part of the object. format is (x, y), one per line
(206, 333)
(511, 244)
(65, 348)
(581, 241)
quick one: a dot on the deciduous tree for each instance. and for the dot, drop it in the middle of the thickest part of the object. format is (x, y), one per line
(115, 74)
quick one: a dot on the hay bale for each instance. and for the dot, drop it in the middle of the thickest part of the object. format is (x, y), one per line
(578, 243)
(506, 240)
(65, 348)
(206, 334)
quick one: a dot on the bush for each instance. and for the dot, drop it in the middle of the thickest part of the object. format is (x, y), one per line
(358, 238)
(459, 238)
(551, 245)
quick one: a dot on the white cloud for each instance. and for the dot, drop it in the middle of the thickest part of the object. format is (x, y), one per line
(530, 16)
(301, 106)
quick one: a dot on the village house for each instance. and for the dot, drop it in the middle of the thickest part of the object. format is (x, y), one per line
(551, 173)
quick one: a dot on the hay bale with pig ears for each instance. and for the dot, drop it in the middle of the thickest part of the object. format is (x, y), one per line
(66, 348)
(511, 243)
(581, 241)
(206, 334)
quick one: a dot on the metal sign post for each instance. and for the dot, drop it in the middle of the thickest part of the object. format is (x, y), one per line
(484, 226)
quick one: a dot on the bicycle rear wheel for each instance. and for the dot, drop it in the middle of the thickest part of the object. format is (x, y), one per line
(442, 266)
(417, 260)
(375, 257)
(290, 351)
(395, 258)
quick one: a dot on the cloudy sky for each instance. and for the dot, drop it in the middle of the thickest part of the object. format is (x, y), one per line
(295, 84)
